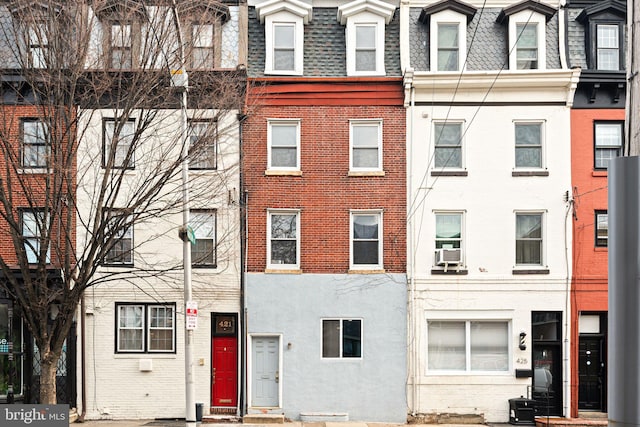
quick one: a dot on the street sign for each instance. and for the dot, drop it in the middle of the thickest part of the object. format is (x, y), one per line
(192, 315)
(191, 235)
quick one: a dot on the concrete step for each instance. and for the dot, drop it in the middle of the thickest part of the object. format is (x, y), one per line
(263, 419)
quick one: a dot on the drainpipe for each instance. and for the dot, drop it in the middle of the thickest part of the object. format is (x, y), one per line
(83, 373)
(566, 377)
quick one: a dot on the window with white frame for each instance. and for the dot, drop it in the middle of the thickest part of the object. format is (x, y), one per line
(448, 46)
(602, 228)
(366, 145)
(284, 47)
(118, 238)
(366, 240)
(467, 346)
(35, 146)
(204, 251)
(447, 145)
(365, 35)
(283, 239)
(448, 230)
(34, 227)
(529, 238)
(145, 328)
(203, 144)
(528, 147)
(283, 139)
(341, 338)
(608, 46)
(608, 143)
(527, 46)
(202, 38)
(118, 151)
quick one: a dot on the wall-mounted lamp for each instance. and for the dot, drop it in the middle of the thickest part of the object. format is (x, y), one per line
(523, 344)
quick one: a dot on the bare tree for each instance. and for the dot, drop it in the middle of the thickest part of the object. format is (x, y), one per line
(90, 144)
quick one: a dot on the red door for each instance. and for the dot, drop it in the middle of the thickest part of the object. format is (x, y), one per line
(224, 372)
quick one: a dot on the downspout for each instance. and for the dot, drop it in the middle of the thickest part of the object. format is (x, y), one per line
(567, 307)
(83, 373)
(243, 260)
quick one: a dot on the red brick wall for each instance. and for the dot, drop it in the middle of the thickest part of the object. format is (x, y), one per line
(28, 189)
(325, 193)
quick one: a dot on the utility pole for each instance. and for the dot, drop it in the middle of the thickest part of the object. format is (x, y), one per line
(633, 79)
(180, 80)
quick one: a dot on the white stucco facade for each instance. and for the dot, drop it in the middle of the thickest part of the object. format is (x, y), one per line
(487, 190)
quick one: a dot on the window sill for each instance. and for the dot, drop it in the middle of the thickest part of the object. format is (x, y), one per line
(449, 173)
(34, 171)
(143, 355)
(599, 173)
(362, 271)
(531, 271)
(116, 265)
(601, 249)
(283, 271)
(366, 173)
(274, 172)
(452, 271)
(203, 266)
(530, 173)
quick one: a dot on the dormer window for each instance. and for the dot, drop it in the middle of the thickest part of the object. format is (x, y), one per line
(38, 24)
(202, 30)
(284, 34)
(121, 29)
(604, 24)
(365, 22)
(447, 21)
(527, 24)
(120, 46)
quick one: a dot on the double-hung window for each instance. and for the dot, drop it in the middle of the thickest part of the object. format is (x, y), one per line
(448, 46)
(467, 346)
(447, 145)
(284, 52)
(283, 239)
(529, 239)
(121, 45)
(203, 144)
(365, 47)
(203, 223)
(118, 139)
(608, 46)
(202, 37)
(35, 144)
(528, 148)
(118, 238)
(145, 328)
(527, 46)
(342, 338)
(366, 145)
(34, 228)
(38, 44)
(283, 139)
(608, 143)
(366, 240)
(602, 228)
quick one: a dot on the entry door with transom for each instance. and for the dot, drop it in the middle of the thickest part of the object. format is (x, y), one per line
(265, 375)
(224, 354)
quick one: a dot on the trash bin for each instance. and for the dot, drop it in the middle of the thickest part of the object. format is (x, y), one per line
(199, 411)
(522, 411)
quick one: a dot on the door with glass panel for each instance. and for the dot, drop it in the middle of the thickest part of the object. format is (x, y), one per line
(11, 353)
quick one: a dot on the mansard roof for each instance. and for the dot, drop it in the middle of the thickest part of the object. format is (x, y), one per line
(533, 5)
(203, 8)
(377, 7)
(296, 7)
(454, 5)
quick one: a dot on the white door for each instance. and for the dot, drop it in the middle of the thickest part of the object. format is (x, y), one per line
(265, 375)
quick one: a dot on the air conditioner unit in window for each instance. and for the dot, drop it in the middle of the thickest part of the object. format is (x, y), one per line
(448, 256)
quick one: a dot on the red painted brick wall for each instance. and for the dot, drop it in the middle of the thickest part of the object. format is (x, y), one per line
(325, 193)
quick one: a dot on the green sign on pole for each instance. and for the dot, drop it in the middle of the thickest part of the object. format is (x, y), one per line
(191, 235)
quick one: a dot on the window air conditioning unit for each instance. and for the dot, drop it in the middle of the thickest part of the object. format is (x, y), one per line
(448, 256)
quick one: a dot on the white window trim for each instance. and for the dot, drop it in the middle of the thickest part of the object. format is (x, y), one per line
(462, 214)
(527, 17)
(270, 123)
(145, 328)
(543, 253)
(341, 357)
(354, 123)
(463, 132)
(448, 17)
(365, 19)
(543, 145)
(364, 267)
(270, 265)
(284, 18)
(471, 316)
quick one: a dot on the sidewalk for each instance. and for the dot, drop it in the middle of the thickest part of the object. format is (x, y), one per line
(181, 423)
